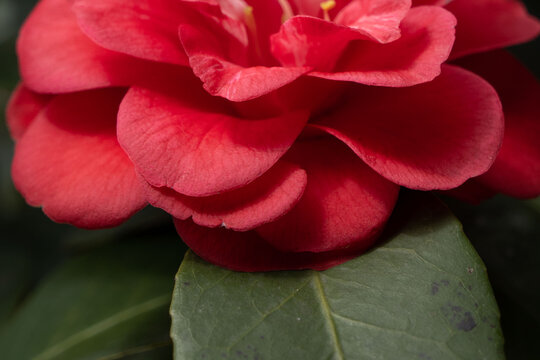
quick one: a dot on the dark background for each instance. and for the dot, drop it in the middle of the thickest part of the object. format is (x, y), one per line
(506, 232)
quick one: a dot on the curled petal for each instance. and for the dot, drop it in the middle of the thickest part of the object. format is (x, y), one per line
(247, 251)
(228, 79)
(378, 18)
(516, 171)
(186, 140)
(23, 107)
(427, 36)
(314, 42)
(345, 202)
(70, 163)
(56, 57)
(147, 29)
(431, 136)
(491, 24)
(260, 202)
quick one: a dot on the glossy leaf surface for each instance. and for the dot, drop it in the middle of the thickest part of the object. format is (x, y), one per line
(422, 294)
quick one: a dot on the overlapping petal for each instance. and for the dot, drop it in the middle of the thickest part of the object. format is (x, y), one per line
(427, 36)
(262, 201)
(491, 24)
(380, 19)
(56, 57)
(147, 29)
(228, 79)
(182, 138)
(345, 202)
(247, 251)
(23, 107)
(214, 126)
(431, 136)
(70, 163)
(314, 42)
(516, 171)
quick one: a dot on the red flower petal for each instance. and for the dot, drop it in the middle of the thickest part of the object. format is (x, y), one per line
(247, 251)
(378, 18)
(516, 172)
(491, 24)
(56, 57)
(227, 79)
(22, 109)
(312, 42)
(69, 162)
(186, 140)
(345, 202)
(431, 136)
(146, 29)
(317, 43)
(427, 35)
(260, 202)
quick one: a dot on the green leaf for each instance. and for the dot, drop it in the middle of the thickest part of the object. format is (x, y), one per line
(111, 303)
(505, 232)
(423, 294)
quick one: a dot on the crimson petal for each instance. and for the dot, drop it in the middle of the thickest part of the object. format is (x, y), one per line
(147, 29)
(345, 202)
(260, 202)
(427, 36)
(378, 18)
(431, 136)
(56, 57)
(186, 140)
(226, 78)
(69, 162)
(309, 41)
(491, 24)
(247, 251)
(516, 171)
(23, 107)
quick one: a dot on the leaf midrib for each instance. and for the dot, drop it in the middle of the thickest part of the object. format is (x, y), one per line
(331, 325)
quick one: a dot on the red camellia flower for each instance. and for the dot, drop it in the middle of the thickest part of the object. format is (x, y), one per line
(277, 133)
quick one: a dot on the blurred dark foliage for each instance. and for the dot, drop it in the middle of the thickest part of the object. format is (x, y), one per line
(506, 232)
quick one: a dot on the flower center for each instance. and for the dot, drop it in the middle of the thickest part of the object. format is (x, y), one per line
(326, 6)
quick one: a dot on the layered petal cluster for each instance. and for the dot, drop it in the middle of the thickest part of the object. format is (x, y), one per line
(276, 133)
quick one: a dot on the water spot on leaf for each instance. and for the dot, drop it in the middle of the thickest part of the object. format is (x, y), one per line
(434, 288)
(460, 319)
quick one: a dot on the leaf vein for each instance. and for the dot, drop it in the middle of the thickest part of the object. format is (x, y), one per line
(328, 314)
(266, 315)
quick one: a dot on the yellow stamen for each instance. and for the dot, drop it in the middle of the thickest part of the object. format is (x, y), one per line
(249, 20)
(326, 6)
(287, 10)
(251, 25)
